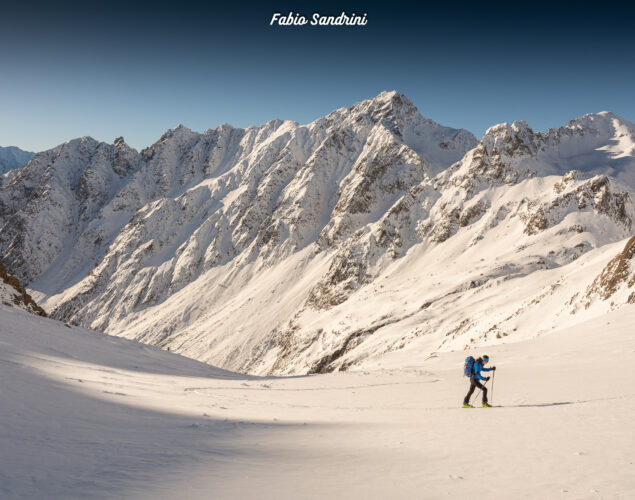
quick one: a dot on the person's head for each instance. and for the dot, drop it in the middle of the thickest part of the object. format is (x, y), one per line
(485, 359)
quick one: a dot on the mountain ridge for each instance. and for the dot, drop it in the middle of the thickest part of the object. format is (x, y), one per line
(233, 245)
(12, 157)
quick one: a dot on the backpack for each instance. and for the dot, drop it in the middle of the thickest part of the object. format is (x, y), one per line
(468, 367)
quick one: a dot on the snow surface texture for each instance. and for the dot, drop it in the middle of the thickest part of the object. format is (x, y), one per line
(85, 415)
(292, 249)
(11, 158)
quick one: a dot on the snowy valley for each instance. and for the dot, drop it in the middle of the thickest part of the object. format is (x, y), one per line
(86, 415)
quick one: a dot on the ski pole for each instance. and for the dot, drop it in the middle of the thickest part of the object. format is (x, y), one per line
(493, 378)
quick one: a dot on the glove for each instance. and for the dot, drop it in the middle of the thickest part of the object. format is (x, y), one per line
(493, 368)
(486, 379)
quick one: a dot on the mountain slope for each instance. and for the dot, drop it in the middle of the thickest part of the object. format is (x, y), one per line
(507, 227)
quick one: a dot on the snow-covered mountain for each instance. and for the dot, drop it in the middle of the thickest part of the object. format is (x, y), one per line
(290, 248)
(12, 158)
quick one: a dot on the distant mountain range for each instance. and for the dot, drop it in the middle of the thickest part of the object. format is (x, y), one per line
(291, 248)
(12, 157)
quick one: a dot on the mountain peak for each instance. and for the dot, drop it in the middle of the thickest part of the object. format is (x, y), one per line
(79, 142)
(386, 104)
(181, 128)
(521, 126)
(388, 95)
(505, 129)
(396, 100)
(12, 157)
(179, 131)
(602, 122)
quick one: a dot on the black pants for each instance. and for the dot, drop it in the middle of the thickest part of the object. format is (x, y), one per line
(474, 383)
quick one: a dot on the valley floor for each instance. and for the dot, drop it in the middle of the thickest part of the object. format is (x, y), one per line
(85, 415)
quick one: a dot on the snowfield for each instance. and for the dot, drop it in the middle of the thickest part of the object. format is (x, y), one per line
(86, 415)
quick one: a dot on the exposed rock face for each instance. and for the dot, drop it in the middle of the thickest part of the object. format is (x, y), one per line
(252, 248)
(618, 273)
(598, 194)
(14, 295)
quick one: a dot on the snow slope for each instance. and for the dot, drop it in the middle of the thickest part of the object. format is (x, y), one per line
(85, 415)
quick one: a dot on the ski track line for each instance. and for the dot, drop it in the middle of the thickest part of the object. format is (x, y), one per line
(545, 405)
(196, 389)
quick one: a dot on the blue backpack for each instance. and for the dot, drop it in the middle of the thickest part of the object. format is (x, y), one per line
(468, 367)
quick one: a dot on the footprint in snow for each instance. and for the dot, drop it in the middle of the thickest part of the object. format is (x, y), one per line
(115, 393)
(452, 476)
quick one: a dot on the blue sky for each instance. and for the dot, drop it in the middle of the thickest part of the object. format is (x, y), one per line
(72, 68)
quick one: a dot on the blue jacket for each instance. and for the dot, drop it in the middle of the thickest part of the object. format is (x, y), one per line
(478, 367)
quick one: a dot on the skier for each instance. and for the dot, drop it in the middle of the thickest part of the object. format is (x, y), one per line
(475, 378)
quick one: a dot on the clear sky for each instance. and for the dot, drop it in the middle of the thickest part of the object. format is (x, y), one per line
(106, 69)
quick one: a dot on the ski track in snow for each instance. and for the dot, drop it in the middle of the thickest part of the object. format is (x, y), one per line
(85, 415)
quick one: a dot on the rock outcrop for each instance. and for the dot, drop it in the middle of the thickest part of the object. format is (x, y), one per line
(14, 295)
